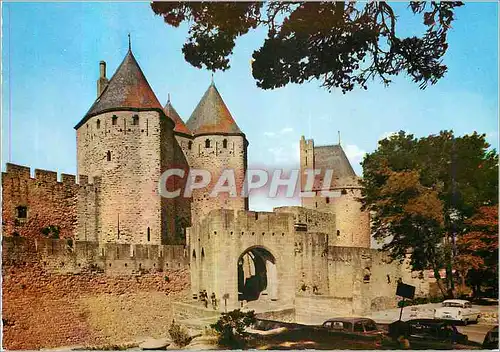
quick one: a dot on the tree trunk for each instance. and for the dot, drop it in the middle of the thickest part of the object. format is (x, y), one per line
(437, 276)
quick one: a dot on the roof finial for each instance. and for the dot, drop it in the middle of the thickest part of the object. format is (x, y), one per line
(168, 98)
(129, 43)
(212, 79)
(339, 137)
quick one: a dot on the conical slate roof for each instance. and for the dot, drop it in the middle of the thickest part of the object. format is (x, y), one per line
(211, 115)
(127, 89)
(180, 126)
(333, 157)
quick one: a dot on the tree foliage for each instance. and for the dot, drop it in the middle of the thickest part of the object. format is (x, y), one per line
(477, 258)
(179, 334)
(424, 193)
(342, 44)
(231, 327)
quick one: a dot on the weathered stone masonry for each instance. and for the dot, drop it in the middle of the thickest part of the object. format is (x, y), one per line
(32, 204)
(314, 259)
(69, 257)
(310, 270)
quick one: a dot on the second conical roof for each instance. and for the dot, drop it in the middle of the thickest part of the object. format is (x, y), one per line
(211, 115)
(180, 126)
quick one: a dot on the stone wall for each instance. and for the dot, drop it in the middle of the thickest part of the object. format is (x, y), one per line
(355, 280)
(216, 158)
(48, 310)
(47, 201)
(311, 266)
(316, 309)
(218, 241)
(182, 159)
(310, 220)
(67, 256)
(88, 209)
(129, 157)
(352, 224)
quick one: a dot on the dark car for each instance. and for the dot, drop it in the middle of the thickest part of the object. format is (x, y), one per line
(357, 326)
(491, 339)
(428, 333)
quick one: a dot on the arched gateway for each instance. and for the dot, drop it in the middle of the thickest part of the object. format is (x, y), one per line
(257, 275)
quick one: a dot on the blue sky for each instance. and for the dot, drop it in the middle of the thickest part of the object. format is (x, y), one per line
(50, 62)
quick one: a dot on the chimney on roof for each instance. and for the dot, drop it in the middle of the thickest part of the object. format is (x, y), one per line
(102, 82)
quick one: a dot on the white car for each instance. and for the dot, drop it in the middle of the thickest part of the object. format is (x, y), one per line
(457, 309)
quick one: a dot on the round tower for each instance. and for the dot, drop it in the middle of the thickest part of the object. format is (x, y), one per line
(218, 145)
(126, 140)
(352, 225)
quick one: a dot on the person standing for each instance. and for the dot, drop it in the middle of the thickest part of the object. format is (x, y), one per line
(205, 298)
(214, 300)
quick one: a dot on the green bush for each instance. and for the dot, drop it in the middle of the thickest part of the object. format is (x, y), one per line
(404, 303)
(179, 334)
(231, 328)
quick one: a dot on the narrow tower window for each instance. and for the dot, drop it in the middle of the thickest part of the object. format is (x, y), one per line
(135, 120)
(22, 212)
(327, 200)
(114, 120)
(108, 155)
(190, 145)
(98, 124)
(149, 234)
(207, 143)
(224, 143)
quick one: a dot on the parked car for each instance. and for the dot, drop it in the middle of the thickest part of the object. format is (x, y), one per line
(357, 326)
(458, 310)
(428, 333)
(491, 339)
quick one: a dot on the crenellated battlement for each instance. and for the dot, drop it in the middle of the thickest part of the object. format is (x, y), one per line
(227, 219)
(68, 256)
(307, 143)
(35, 204)
(23, 173)
(17, 170)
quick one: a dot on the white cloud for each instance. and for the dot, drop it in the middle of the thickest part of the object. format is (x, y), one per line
(286, 130)
(387, 135)
(354, 153)
(390, 134)
(492, 134)
(282, 132)
(261, 202)
(286, 154)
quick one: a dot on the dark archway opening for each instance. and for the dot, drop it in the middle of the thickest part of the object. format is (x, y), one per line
(257, 276)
